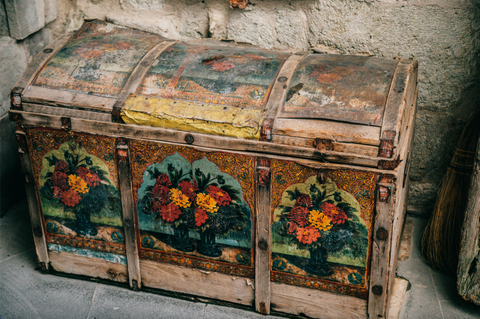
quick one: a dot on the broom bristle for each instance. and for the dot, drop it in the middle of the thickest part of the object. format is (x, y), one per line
(440, 242)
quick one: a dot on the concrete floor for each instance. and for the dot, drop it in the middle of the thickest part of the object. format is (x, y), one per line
(27, 293)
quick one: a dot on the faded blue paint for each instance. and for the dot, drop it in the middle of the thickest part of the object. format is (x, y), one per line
(118, 259)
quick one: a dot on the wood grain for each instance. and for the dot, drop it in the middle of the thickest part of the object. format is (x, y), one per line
(203, 140)
(34, 209)
(262, 237)
(277, 96)
(128, 214)
(53, 97)
(396, 105)
(63, 112)
(402, 186)
(379, 265)
(351, 148)
(41, 59)
(335, 131)
(313, 303)
(137, 75)
(70, 263)
(197, 282)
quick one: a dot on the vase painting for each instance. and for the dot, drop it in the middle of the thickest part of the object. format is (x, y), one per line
(78, 191)
(321, 229)
(187, 205)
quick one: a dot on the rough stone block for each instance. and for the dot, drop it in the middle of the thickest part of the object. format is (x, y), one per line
(13, 62)
(149, 5)
(3, 21)
(50, 10)
(24, 17)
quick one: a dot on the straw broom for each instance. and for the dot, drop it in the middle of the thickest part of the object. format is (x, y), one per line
(440, 243)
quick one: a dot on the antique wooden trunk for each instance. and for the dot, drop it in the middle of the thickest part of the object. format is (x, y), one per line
(270, 179)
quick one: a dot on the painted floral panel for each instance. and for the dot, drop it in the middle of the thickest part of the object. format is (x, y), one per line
(194, 208)
(321, 230)
(78, 188)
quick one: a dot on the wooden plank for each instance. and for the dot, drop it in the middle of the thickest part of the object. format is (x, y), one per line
(70, 263)
(395, 107)
(54, 97)
(137, 75)
(41, 59)
(382, 238)
(63, 112)
(468, 274)
(358, 149)
(262, 236)
(197, 282)
(313, 303)
(128, 213)
(34, 209)
(204, 140)
(277, 96)
(406, 126)
(402, 186)
(335, 131)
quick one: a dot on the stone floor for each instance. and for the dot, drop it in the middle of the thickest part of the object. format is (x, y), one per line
(27, 293)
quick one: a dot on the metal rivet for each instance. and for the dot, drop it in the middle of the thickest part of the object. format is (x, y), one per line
(377, 290)
(48, 50)
(262, 244)
(189, 139)
(321, 177)
(282, 79)
(382, 233)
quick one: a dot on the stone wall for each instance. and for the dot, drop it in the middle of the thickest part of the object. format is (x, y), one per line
(22, 36)
(443, 35)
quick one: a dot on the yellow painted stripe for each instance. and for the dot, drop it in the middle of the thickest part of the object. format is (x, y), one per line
(194, 117)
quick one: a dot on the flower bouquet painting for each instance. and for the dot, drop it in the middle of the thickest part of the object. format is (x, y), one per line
(77, 185)
(191, 199)
(322, 220)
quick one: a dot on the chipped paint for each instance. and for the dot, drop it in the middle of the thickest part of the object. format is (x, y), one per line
(194, 117)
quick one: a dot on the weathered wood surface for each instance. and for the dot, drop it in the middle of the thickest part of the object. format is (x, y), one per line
(203, 140)
(40, 59)
(128, 214)
(402, 186)
(137, 76)
(313, 303)
(340, 88)
(381, 248)
(401, 90)
(262, 236)
(70, 263)
(468, 273)
(279, 91)
(53, 97)
(36, 218)
(63, 112)
(197, 282)
(351, 148)
(406, 126)
(335, 131)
